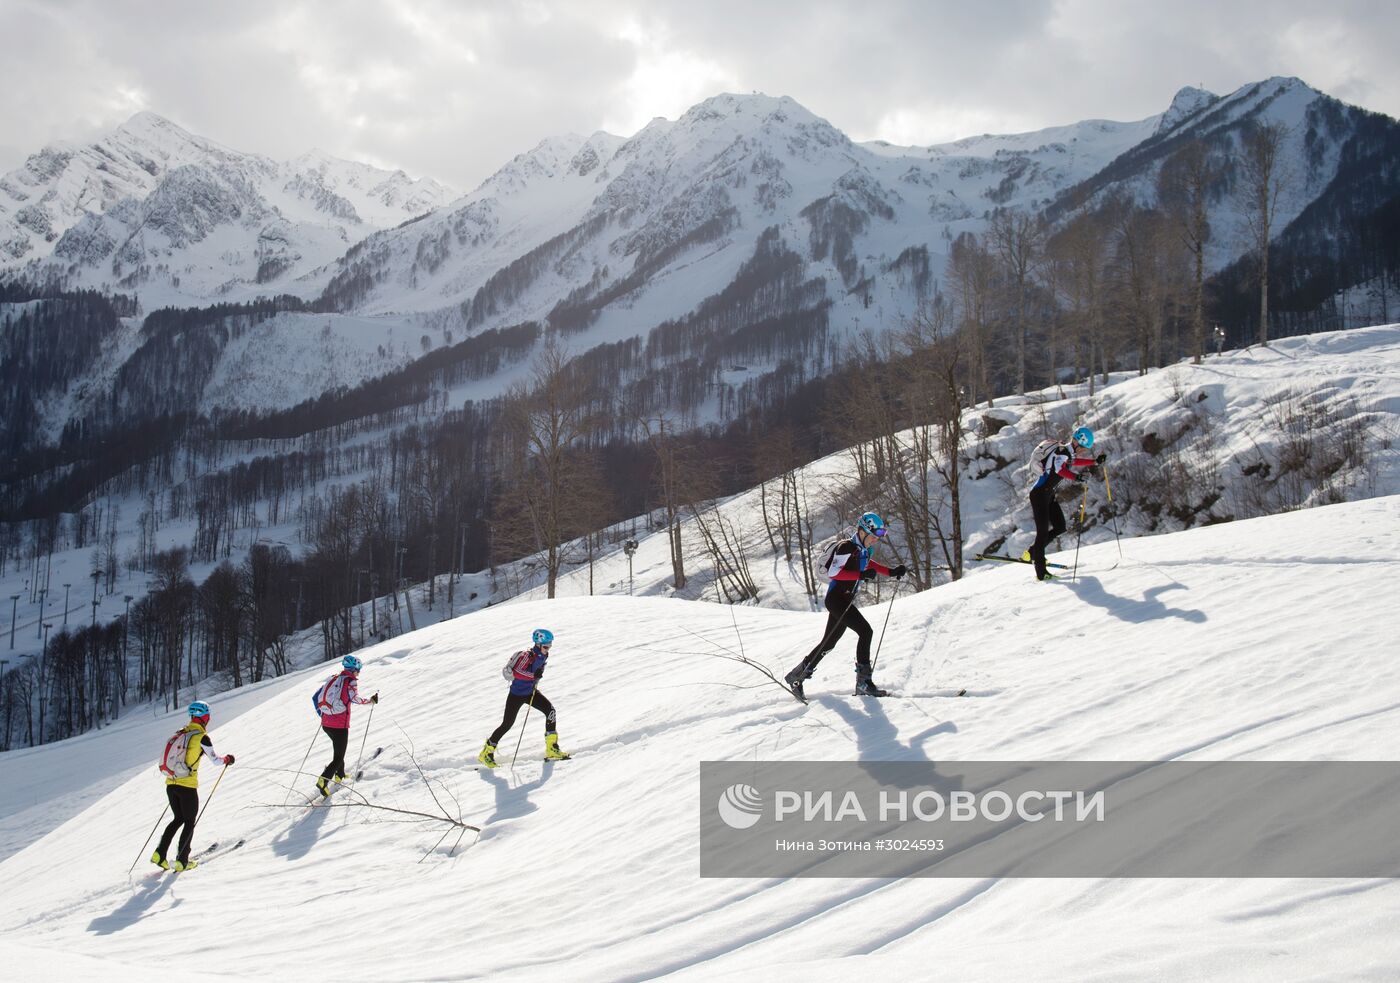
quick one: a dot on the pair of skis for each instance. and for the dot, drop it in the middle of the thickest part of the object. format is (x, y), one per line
(879, 696)
(201, 858)
(1016, 559)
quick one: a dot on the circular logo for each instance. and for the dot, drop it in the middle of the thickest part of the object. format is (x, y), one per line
(740, 806)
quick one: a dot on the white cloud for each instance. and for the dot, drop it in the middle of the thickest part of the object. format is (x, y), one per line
(665, 80)
(454, 89)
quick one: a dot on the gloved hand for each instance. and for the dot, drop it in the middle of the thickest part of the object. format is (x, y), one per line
(868, 574)
(1101, 458)
(374, 698)
(228, 759)
(898, 572)
(539, 674)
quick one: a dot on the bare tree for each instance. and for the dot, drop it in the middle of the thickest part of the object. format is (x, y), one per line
(1080, 251)
(1184, 188)
(1019, 240)
(1265, 178)
(545, 428)
(671, 472)
(1142, 276)
(973, 272)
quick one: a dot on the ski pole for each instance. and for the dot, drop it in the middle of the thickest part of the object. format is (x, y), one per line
(148, 840)
(1084, 504)
(303, 763)
(211, 795)
(521, 738)
(1113, 512)
(369, 721)
(876, 661)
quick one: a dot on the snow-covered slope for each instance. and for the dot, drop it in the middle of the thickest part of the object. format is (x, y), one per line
(1307, 421)
(1205, 645)
(177, 219)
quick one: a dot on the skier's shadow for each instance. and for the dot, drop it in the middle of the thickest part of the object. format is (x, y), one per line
(134, 908)
(296, 842)
(1127, 609)
(513, 801)
(877, 738)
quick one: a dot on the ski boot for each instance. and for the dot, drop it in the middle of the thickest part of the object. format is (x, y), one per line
(488, 756)
(551, 749)
(1048, 576)
(1026, 557)
(184, 865)
(795, 679)
(159, 861)
(323, 785)
(865, 686)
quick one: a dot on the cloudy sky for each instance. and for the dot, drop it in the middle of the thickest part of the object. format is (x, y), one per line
(453, 88)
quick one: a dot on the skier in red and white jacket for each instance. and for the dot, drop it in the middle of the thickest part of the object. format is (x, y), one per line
(1067, 461)
(333, 701)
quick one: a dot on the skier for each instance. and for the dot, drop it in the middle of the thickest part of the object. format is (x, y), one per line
(183, 790)
(524, 671)
(333, 702)
(1052, 463)
(850, 564)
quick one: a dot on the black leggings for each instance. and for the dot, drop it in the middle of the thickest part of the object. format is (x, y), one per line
(513, 704)
(1049, 523)
(184, 805)
(340, 737)
(841, 614)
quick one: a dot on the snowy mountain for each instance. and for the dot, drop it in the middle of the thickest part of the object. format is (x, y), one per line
(1324, 142)
(748, 232)
(177, 219)
(676, 209)
(653, 224)
(1205, 645)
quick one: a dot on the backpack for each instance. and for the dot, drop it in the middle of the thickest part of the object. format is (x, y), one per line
(824, 555)
(322, 701)
(172, 762)
(1040, 455)
(508, 670)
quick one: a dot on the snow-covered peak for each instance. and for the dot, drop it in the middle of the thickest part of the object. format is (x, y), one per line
(552, 157)
(149, 192)
(731, 116)
(1110, 133)
(1186, 103)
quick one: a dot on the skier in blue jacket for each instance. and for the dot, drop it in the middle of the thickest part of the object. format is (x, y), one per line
(850, 564)
(524, 672)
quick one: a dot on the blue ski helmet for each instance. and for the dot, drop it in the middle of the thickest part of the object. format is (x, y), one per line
(542, 636)
(351, 663)
(1084, 437)
(872, 524)
(199, 709)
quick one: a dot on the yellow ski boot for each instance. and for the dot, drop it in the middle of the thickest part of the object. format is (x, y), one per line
(488, 756)
(551, 749)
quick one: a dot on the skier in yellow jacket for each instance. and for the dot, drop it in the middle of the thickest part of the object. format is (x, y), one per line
(180, 766)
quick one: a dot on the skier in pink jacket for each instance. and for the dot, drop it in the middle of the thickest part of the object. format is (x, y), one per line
(333, 702)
